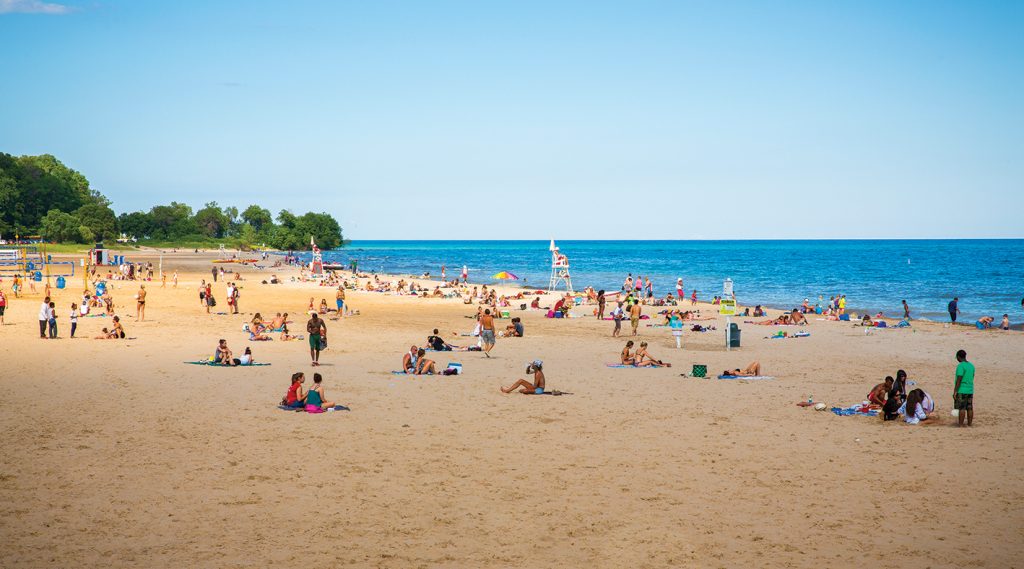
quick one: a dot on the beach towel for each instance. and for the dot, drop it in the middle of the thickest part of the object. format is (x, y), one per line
(212, 363)
(632, 366)
(755, 377)
(858, 409)
(303, 409)
(396, 372)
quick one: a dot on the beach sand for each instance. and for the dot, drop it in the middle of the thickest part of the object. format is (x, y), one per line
(115, 453)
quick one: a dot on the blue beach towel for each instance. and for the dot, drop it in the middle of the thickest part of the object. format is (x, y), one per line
(854, 410)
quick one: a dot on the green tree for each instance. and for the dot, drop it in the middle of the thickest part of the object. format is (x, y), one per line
(61, 227)
(136, 224)
(320, 226)
(258, 217)
(99, 219)
(211, 221)
(173, 221)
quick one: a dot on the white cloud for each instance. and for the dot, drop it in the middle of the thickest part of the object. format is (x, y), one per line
(32, 7)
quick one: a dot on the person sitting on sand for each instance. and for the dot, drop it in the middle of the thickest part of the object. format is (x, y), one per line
(409, 359)
(117, 331)
(286, 336)
(278, 321)
(258, 337)
(316, 400)
(424, 365)
(913, 410)
(106, 335)
(223, 354)
(437, 343)
(867, 321)
(323, 306)
(296, 396)
(246, 359)
(257, 325)
(626, 357)
(752, 370)
(644, 358)
(536, 303)
(985, 322)
(536, 367)
(797, 318)
(758, 311)
(876, 397)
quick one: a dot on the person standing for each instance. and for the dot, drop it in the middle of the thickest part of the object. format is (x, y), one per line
(650, 287)
(634, 316)
(487, 331)
(52, 320)
(443, 273)
(74, 318)
(600, 304)
(627, 285)
(317, 330)
(679, 289)
(44, 317)
(617, 316)
(465, 274)
(3, 306)
(174, 279)
(230, 296)
(963, 391)
(140, 306)
(954, 309)
(213, 271)
(234, 296)
(906, 310)
(340, 298)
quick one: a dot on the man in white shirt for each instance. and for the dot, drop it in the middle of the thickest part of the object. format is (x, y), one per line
(44, 317)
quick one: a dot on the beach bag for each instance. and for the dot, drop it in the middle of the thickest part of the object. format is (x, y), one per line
(212, 301)
(323, 343)
(699, 370)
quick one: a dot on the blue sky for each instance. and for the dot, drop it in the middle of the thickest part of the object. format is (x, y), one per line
(478, 120)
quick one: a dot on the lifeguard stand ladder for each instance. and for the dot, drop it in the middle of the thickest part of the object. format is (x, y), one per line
(559, 269)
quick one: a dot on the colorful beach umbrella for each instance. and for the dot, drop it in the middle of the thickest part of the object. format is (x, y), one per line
(506, 276)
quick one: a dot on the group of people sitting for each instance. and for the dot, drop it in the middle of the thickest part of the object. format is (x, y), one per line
(892, 398)
(794, 318)
(416, 362)
(640, 358)
(224, 356)
(313, 400)
(259, 328)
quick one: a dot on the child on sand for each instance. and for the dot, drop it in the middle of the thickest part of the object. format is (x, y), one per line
(74, 318)
(527, 388)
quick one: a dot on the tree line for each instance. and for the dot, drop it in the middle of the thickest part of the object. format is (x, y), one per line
(41, 196)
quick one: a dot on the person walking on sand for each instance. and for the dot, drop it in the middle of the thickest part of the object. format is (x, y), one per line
(617, 313)
(74, 318)
(317, 330)
(3, 306)
(634, 316)
(44, 317)
(954, 309)
(340, 299)
(487, 331)
(906, 310)
(963, 390)
(140, 305)
(213, 271)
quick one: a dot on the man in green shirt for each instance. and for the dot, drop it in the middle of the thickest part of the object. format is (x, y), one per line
(963, 392)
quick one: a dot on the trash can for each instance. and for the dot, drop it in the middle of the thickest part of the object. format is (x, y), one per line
(734, 336)
(61, 282)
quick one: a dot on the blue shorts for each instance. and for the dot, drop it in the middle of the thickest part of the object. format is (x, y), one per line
(296, 404)
(340, 304)
(538, 391)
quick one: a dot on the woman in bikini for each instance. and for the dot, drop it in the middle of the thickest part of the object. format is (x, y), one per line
(626, 357)
(644, 358)
(257, 326)
(316, 400)
(525, 387)
(752, 370)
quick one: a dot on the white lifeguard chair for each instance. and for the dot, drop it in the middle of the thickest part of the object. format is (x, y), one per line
(316, 266)
(559, 269)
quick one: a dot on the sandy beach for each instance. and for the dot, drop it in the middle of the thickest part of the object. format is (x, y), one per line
(116, 453)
